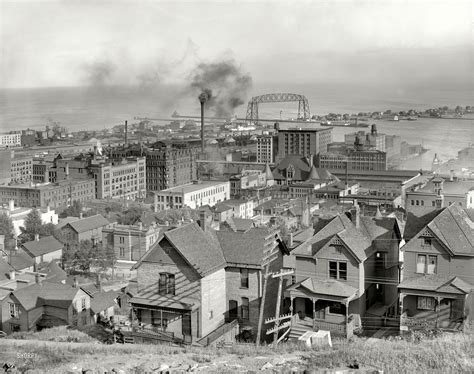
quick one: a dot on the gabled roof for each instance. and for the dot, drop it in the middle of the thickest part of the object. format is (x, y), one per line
(5, 269)
(268, 173)
(200, 249)
(42, 246)
(329, 287)
(243, 248)
(103, 300)
(20, 260)
(378, 227)
(64, 221)
(452, 226)
(319, 174)
(240, 224)
(300, 165)
(437, 283)
(88, 223)
(52, 294)
(54, 273)
(341, 226)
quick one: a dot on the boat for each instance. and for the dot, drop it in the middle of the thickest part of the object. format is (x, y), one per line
(411, 119)
(343, 124)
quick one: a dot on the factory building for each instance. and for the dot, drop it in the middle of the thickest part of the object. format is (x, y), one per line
(10, 140)
(303, 142)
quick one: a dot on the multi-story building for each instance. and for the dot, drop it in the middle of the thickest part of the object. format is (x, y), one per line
(437, 286)
(438, 192)
(10, 140)
(89, 228)
(125, 179)
(247, 179)
(193, 195)
(354, 159)
(44, 169)
(303, 142)
(21, 169)
(374, 140)
(267, 148)
(54, 195)
(168, 164)
(129, 242)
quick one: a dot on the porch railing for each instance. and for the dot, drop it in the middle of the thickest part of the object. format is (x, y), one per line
(342, 328)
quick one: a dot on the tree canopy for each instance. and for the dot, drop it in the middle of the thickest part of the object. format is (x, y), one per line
(34, 226)
(6, 227)
(74, 210)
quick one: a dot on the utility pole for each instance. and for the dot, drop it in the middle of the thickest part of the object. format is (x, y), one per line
(279, 275)
(269, 256)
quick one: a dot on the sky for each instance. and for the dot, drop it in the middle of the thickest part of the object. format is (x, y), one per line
(82, 42)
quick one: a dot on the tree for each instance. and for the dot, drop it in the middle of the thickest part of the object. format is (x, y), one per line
(79, 256)
(74, 210)
(33, 226)
(131, 216)
(6, 227)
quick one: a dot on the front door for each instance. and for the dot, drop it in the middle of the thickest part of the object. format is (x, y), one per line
(457, 309)
(186, 324)
(233, 309)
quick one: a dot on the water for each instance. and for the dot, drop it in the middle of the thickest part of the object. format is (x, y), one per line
(95, 109)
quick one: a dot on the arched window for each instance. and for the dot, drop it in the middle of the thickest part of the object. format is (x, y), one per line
(290, 172)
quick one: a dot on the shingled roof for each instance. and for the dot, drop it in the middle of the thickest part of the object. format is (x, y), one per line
(199, 248)
(452, 226)
(243, 248)
(342, 227)
(48, 244)
(88, 223)
(437, 283)
(51, 294)
(330, 287)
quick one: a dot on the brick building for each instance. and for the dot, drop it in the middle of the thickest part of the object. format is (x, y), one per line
(89, 228)
(303, 142)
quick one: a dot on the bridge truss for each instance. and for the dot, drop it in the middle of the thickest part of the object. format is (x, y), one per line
(303, 105)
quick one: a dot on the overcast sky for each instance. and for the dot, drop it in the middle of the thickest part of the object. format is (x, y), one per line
(59, 43)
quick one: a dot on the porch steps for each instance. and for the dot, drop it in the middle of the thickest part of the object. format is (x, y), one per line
(298, 330)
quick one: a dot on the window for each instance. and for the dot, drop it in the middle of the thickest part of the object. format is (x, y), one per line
(245, 308)
(83, 303)
(425, 303)
(337, 308)
(14, 327)
(74, 309)
(121, 251)
(244, 278)
(14, 310)
(121, 240)
(426, 241)
(338, 270)
(166, 285)
(427, 264)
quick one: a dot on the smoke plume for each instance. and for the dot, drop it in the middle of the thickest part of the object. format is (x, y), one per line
(224, 83)
(99, 73)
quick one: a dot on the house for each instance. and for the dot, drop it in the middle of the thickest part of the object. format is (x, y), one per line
(89, 228)
(348, 268)
(44, 304)
(195, 279)
(436, 290)
(103, 305)
(129, 242)
(45, 249)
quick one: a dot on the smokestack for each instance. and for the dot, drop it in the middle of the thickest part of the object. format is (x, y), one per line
(203, 97)
(126, 133)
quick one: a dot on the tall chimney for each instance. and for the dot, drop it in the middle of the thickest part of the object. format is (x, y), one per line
(126, 133)
(203, 220)
(203, 97)
(355, 214)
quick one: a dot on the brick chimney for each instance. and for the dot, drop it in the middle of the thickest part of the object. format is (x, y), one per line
(75, 283)
(203, 220)
(98, 283)
(355, 214)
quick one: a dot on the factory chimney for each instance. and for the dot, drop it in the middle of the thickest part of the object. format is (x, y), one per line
(203, 97)
(126, 132)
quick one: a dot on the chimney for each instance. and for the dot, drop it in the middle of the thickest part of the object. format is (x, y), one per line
(155, 202)
(98, 283)
(203, 97)
(451, 175)
(373, 129)
(11, 205)
(140, 226)
(290, 240)
(38, 279)
(66, 169)
(12, 274)
(310, 160)
(203, 220)
(126, 133)
(75, 283)
(37, 237)
(355, 214)
(80, 215)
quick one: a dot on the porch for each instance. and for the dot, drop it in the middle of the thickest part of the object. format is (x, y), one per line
(434, 302)
(323, 305)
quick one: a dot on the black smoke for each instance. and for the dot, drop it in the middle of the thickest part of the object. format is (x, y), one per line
(225, 84)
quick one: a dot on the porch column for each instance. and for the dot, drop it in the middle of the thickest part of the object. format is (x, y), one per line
(401, 296)
(314, 312)
(438, 307)
(346, 303)
(291, 304)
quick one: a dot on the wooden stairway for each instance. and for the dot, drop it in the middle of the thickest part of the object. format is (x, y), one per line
(298, 330)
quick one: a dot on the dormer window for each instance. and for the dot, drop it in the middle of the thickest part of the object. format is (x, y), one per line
(290, 172)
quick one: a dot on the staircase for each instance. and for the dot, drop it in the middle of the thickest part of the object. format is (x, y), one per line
(298, 330)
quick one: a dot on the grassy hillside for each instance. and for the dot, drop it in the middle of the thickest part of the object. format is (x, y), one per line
(55, 355)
